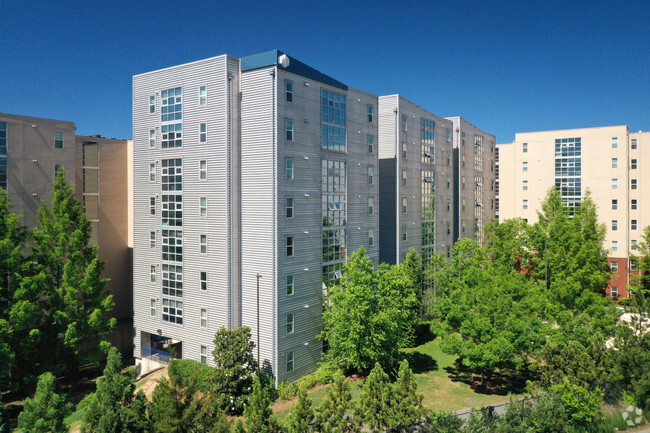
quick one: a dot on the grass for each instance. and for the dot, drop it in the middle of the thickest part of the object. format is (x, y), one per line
(445, 387)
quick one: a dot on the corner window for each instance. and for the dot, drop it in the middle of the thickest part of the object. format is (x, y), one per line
(371, 175)
(371, 206)
(203, 96)
(203, 132)
(203, 207)
(58, 140)
(203, 357)
(633, 163)
(289, 361)
(371, 143)
(152, 172)
(371, 237)
(289, 207)
(289, 323)
(288, 129)
(204, 318)
(152, 138)
(203, 169)
(289, 284)
(288, 168)
(203, 278)
(404, 122)
(633, 144)
(152, 104)
(289, 246)
(152, 308)
(371, 112)
(203, 244)
(288, 91)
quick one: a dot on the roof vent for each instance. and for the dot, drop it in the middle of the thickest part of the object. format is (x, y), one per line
(283, 60)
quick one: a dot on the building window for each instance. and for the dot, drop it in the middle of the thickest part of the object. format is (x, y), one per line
(290, 284)
(333, 121)
(371, 237)
(614, 246)
(288, 91)
(404, 233)
(152, 273)
(614, 142)
(289, 246)
(634, 245)
(203, 244)
(371, 175)
(524, 166)
(614, 225)
(462, 160)
(172, 135)
(448, 182)
(524, 147)
(403, 177)
(633, 265)
(289, 207)
(448, 135)
(203, 207)
(172, 311)
(152, 307)
(152, 205)
(152, 240)
(448, 228)
(633, 143)
(614, 162)
(448, 158)
(633, 183)
(371, 206)
(57, 167)
(371, 112)
(404, 205)
(524, 204)
(614, 204)
(525, 185)
(289, 323)
(203, 132)
(614, 183)
(58, 140)
(152, 172)
(203, 277)
(152, 104)
(613, 266)
(288, 167)
(633, 164)
(462, 205)
(204, 318)
(448, 205)
(633, 204)
(371, 143)
(152, 138)
(203, 169)
(613, 291)
(404, 122)
(203, 357)
(633, 224)
(203, 96)
(289, 362)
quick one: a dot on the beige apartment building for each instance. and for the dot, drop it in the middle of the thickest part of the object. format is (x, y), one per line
(608, 161)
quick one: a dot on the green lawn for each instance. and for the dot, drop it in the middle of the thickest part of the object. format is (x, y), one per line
(435, 375)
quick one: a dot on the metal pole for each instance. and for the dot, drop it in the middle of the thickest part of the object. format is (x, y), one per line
(258, 276)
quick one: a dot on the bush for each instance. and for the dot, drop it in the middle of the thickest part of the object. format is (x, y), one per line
(442, 422)
(186, 371)
(324, 375)
(287, 390)
(624, 302)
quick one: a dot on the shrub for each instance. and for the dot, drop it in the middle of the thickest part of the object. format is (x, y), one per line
(624, 302)
(187, 371)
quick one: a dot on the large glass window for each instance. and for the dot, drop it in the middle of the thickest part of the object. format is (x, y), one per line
(172, 135)
(58, 140)
(333, 121)
(172, 311)
(172, 245)
(172, 282)
(172, 105)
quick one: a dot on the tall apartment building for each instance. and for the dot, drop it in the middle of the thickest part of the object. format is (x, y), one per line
(416, 180)
(606, 160)
(254, 178)
(31, 150)
(475, 180)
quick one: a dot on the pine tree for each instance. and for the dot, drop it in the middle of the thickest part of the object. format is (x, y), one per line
(374, 408)
(46, 411)
(258, 413)
(238, 427)
(407, 402)
(335, 414)
(301, 413)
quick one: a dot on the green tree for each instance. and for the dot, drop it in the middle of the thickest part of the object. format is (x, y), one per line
(508, 244)
(335, 414)
(235, 367)
(413, 271)
(406, 406)
(580, 405)
(640, 281)
(46, 411)
(258, 413)
(374, 408)
(114, 407)
(238, 427)
(301, 413)
(370, 315)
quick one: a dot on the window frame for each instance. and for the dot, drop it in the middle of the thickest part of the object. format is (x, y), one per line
(614, 225)
(614, 204)
(152, 274)
(59, 140)
(289, 130)
(614, 246)
(203, 243)
(289, 361)
(370, 139)
(203, 133)
(203, 96)
(524, 147)
(524, 166)
(633, 143)
(152, 139)
(614, 183)
(289, 209)
(614, 142)
(203, 318)
(152, 172)
(203, 207)
(152, 239)
(634, 184)
(152, 104)
(290, 323)
(524, 204)
(371, 113)
(614, 162)
(290, 284)
(153, 307)
(203, 169)
(203, 357)
(634, 163)
(203, 281)
(634, 224)
(371, 206)
(288, 93)
(289, 168)
(634, 204)
(613, 291)
(371, 237)
(152, 205)
(613, 267)
(290, 243)
(371, 175)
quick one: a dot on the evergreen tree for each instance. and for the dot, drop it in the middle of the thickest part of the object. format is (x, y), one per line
(46, 411)
(335, 414)
(301, 413)
(412, 268)
(374, 408)
(238, 427)
(110, 408)
(258, 413)
(234, 369)
(406, 401)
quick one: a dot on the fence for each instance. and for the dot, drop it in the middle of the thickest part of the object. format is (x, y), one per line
(155, 355)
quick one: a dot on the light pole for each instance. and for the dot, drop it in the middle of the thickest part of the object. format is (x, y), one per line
(258, 276)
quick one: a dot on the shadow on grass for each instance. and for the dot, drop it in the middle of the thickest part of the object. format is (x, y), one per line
(495, 383)
(420, 362)
(423, 334)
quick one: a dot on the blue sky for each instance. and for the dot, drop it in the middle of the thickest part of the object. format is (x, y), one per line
(505, 66)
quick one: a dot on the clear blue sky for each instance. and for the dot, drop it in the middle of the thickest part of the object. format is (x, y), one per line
(505, 66)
